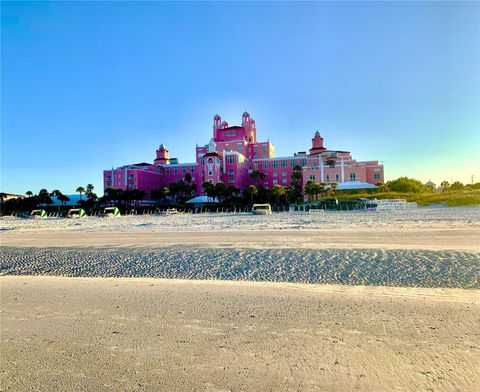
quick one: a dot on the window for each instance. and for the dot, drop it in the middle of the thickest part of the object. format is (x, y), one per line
(255, 149)
(328, 177)
(231, 159)
(275, 182)
(231, 180)
(284, 174)
(192, 170)
(175, 170)
(274, 164)
(265, 165)
(336, 177)
(303, 162)
(210, 173)
(293, 163)
(312, 177)
(239, 147)
(167, 171)
(184, 170)
(264, 149)
(255, 157)
(352, 176)
(284, 181)
(231, 172)
(275, 174)
(284, 164)
(376, 176)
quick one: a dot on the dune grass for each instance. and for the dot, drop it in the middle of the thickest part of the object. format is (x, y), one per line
(448, 198)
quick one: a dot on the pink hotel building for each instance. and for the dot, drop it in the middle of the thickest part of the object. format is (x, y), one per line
(234, 152)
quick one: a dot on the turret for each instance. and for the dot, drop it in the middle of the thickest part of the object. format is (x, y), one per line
(317, 144)
(163, 156)
(217, 122)
(245, 119)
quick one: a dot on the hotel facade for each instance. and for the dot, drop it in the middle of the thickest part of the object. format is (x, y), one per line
(234, 153)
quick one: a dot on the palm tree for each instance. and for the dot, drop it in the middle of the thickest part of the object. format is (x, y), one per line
(297, 179)
(251, 191)
(80, 190)
(220, 190)
(445, 185)
(257, 175)
(323, 185)
(63, 199)
(89, 190)
(334, 187)
(44, 197)
(209, 189)
(310, 189)
(277, 191)
(29, 193)
(381, 186)
(164, 192)
(55, 192)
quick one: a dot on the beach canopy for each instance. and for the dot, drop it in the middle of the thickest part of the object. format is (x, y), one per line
(111, 211)
(202, 200)
(351, 185)
(76, 213)
(38, 214)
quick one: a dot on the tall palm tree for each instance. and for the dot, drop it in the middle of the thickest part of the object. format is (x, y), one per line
(29, 193)
(80, 190)
(89, 190)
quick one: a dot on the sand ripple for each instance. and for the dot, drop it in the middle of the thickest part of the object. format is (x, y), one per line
(416, 268)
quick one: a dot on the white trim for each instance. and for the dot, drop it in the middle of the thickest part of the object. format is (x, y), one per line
(177, 164)
(279, 159)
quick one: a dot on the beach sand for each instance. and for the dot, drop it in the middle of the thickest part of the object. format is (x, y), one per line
(172, 335)
(106, 332)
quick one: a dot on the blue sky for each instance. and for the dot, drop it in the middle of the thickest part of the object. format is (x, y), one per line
(87, 86)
